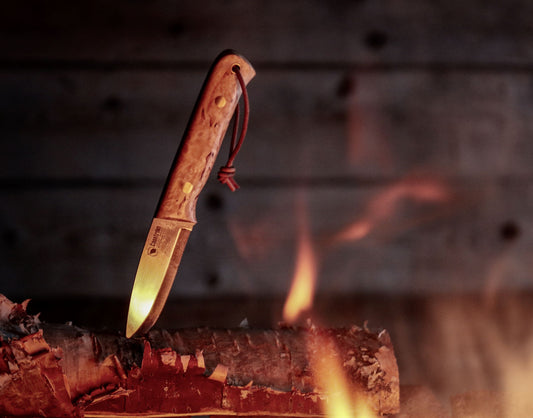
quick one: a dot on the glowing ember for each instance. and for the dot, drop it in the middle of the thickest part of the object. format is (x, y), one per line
(300, 298)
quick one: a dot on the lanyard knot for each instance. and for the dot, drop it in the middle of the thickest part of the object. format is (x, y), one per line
(227, 172)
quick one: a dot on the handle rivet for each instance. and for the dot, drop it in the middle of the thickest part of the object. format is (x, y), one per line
(187, 187)
(220, 101)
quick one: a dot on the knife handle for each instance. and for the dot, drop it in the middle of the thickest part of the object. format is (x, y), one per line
(203, 137)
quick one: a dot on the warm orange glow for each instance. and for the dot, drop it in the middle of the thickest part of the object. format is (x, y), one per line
(329, 378)
(517, 376)
(356, 231)
(514, 363)
(384, 205)
(252, 237)
(367, 144)
(300, 298)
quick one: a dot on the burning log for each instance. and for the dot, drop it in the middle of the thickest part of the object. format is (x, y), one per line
(63, 370)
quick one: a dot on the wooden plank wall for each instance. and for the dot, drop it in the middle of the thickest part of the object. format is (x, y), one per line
(409, 118)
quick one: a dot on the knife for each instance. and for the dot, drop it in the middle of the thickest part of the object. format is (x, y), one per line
(175, 215)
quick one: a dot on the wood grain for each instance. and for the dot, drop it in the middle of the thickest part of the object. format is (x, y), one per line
(127, 125)
(449, 343)
(203, 136)
(303, 32)
(245, 242)
(350, 99)
(63, 370)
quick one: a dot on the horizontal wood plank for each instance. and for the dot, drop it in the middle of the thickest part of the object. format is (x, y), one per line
(314, 125)
(279, 32)
(87, 241)
(350, 98)
(401, 129)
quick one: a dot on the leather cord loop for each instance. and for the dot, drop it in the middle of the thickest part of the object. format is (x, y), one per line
(227, 172)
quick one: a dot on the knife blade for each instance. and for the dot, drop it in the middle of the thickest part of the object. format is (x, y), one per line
(175, 215)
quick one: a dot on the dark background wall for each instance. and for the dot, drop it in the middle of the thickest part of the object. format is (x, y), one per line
(408, 121)
(350, 98)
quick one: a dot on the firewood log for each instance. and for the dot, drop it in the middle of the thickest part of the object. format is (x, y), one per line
(63, 370)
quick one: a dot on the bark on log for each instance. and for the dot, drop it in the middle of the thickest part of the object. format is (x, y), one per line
(63, 370)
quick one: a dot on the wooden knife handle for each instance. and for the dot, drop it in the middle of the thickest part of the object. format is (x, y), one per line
(203, 137)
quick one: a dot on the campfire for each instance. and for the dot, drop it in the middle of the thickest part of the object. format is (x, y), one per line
(293, 370)
(300, 367)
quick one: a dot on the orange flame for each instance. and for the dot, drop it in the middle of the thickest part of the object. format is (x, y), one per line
(300, 298)
(342, 399)
(329, 377)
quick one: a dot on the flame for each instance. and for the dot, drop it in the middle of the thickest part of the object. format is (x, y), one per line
(513, 359)
(384, 205)
(300, 298)
(517, 376)
(484, 357)
(324, 361)
(329, 377)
